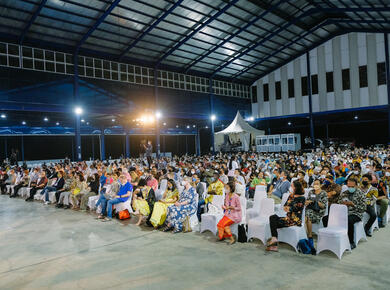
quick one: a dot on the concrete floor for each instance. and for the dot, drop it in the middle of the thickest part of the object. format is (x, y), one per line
(42, 247)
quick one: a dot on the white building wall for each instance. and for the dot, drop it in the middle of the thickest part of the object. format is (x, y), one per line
(342, 52)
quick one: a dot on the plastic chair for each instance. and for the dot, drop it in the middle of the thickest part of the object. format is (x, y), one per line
(292, 235)
(335, 237)
(211, 219)
(316, 227)
(279, 207)
(255, 210)
(160, 191)
(359, 233)
(258, 227)
(124, 205)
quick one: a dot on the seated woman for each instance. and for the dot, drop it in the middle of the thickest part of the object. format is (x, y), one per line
(93, 190)
(232, 214)
(184, 207)
(294, 208)
(81, 187)
(170, 196)
(143, 201)
(63, 200)
(315, 209)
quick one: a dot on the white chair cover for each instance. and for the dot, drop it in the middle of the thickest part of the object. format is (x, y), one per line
(258, 227)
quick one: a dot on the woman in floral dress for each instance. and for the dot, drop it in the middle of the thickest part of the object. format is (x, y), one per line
(185, 206)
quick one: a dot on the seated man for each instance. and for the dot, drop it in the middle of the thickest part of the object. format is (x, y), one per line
(123, 195)
(355, 200)
(215, 188)
(58, 184)
(371, 194)
(41, 183)
(282, 186)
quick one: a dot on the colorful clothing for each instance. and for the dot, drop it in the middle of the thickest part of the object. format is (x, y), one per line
(216, 187)
(160, 208)
(359, 200)
(295, 203)
(315, 216)
(223, 223)
(142, 205)
(177, 214)
(233, 214)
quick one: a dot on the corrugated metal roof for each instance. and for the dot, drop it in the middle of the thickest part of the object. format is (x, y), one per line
(239, 39)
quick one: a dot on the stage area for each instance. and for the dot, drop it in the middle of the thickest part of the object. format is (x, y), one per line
(42, 247)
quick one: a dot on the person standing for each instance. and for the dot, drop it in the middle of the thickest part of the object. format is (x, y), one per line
(148, 153)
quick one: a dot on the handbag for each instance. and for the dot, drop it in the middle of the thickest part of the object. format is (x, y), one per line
(186, 225)
(304, 247)
(314, 205)
(124, 214)
(76, 191)
(242, 237)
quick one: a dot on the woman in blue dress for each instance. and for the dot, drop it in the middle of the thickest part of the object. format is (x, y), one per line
(185, 206)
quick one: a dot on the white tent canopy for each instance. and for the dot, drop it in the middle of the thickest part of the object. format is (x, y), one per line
(239, 129)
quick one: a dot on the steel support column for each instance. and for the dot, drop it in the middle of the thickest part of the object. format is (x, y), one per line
(197, 143)
(102, 146)
(156, 109)
(387, 82)
(93, 147)
(187, 145)
(22, 148)
(127, 145)
(211, 114)
(5, 147)
(76, 97)
(310, 99)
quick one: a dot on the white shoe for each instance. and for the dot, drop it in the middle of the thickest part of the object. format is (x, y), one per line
(47, 202)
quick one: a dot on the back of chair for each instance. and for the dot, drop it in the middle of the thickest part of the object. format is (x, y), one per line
(307, 191)
(243, 209)
(338, 216)
(267, 207)
(260, 188)
(259, 196)
(163, 185)
(218, 200)
(284, 198)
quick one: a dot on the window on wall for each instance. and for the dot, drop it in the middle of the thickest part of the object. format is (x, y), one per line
(304, 86)
(329, 82)
(381, 70)
(291, 88)
(266, 92)
(314, 84)
(278, 90)
(345, 79)
(363, 76)
(254, 94)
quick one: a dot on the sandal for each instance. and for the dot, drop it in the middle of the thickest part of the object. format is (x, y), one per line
(167, 229)
(272, 249)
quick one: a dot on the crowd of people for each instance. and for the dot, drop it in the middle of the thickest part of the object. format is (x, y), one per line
(358, 178)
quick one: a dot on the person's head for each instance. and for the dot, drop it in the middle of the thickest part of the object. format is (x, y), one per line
(59, 174)
(229, 188)
(186, 182)
(276, 173)
(122, 179)
(42, 174)
(142, 183)
(297, 187)
(283, 175)
(80, 177)
(366, 180)
(261, 175)
(352, 184)
(317, 185)
(171, 185)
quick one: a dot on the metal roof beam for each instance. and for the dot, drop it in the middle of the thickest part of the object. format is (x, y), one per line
(263, 40)
(31, 21)
(200, 27)
(243, 28)
(96, 24)
(281, 14)
(150, 28)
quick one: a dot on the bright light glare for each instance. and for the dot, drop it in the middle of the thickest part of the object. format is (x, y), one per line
(57, 123)
(23, 123)
(251, 119)
(213, 117)
(164, 124)
(78, 111)
(113, 120)
(146, 119)
(82, 120)
(45, 119)
(188, 127)
(3, 116)
(158, 115)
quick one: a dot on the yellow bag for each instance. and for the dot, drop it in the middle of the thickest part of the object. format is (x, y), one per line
(187, 225)
(76, 191)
